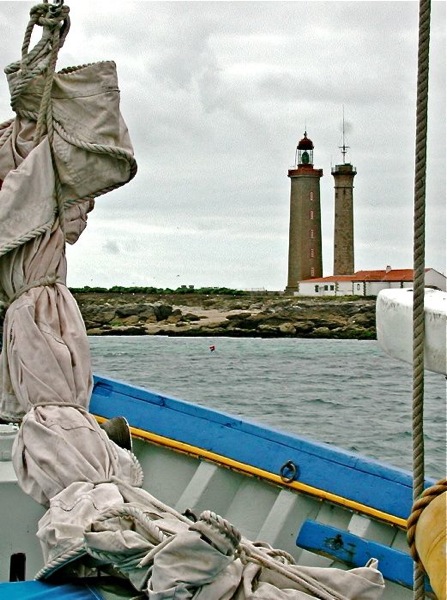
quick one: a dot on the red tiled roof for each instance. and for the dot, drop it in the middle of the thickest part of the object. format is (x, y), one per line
(378, 275)
(383, 275)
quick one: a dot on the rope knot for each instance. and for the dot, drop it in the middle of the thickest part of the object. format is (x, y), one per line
(46, 281)
(218, 532)
(49, 15)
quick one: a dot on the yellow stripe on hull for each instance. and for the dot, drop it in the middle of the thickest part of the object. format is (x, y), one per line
(272, 477)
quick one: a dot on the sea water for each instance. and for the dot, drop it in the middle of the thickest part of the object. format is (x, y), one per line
(342, 392)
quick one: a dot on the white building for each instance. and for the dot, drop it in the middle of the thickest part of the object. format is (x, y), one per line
(367, 283)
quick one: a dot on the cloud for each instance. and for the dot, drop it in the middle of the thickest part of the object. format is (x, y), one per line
(216, 96)
(111, 247)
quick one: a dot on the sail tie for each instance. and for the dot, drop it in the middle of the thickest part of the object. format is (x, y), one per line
(48, 280)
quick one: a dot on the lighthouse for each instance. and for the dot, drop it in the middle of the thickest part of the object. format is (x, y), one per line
(305, 253)
(344, 215)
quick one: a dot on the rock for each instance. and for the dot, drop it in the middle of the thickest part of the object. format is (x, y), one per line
(162, 311)
(321, 332)
(216, 325)
(272, 332)
(304, 328)
(97, 315)
(256, 315)
(128, 310)
(131, 330)
(265, 329)
(239, 315)
(174, 318)
(131, 320)
(363, 319)
(95, 331)
(287, 328)
(191, 317)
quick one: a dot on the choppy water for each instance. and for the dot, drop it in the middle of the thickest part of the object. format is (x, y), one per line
(343, 392)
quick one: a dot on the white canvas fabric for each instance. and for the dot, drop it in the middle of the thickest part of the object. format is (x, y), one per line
(27, 201)
(165, 556)
(46, 356)
(90, 147)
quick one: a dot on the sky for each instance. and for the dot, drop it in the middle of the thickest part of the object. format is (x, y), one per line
(216, 96)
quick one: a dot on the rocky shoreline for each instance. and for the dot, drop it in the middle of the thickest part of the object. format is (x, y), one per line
(251, 315)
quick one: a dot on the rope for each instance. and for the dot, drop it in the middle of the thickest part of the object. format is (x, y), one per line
(246, 551)
(7, 128)
(428, 495)
(41, 60)
(44, 403)
(53, 19)
(419, 267)
(66, 558)
(31, 235)
(115, 151)
(220, 524)
(48, 280)
(250, 553)
(136, 514)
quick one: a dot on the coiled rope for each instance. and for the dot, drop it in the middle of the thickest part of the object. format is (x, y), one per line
(419, 267)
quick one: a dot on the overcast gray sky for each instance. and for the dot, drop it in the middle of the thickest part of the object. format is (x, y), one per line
(216, 96)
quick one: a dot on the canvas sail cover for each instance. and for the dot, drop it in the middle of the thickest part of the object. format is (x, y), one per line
(67, 145)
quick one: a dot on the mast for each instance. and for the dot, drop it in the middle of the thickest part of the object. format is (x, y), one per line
(343, 147)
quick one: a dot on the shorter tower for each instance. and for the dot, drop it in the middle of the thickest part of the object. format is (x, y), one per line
(344, 215)
(305, 254)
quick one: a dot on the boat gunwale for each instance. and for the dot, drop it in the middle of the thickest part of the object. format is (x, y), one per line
(393, 508)
(250, 470)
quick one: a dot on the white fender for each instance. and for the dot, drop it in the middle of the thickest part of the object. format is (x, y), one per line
(394, 324)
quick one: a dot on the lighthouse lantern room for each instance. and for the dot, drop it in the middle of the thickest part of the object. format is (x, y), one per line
(305, 152)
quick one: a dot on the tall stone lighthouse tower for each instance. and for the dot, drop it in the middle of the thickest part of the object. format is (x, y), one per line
(305, 255)
(344, 216)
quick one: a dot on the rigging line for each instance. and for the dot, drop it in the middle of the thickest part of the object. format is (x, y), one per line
(419, 267)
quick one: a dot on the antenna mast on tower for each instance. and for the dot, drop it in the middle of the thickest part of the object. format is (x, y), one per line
(344, 212)
(343, 148)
